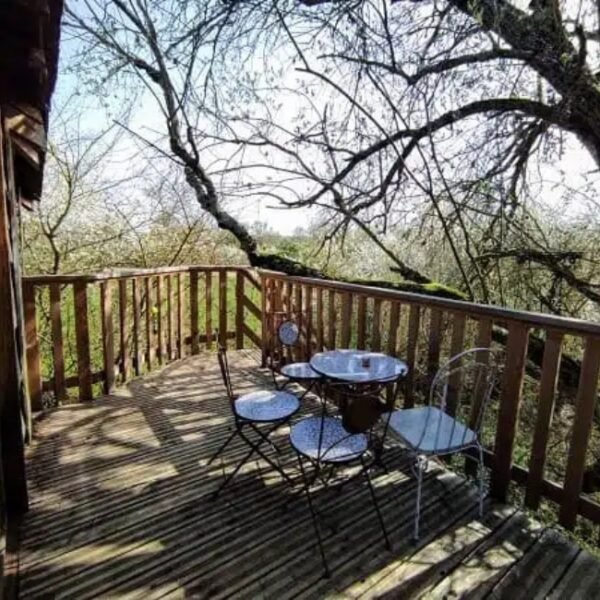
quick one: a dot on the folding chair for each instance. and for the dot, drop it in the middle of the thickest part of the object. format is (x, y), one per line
(288, 337)
(326, 442)
(250, 411)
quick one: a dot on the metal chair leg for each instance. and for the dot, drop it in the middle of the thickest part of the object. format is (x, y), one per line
(419, 485)
(314, 517)
(388, 544)
(481, 474)
(223, 446)
(233, 474)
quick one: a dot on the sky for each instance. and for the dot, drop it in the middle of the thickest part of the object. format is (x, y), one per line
(72, 97)
(147, 121)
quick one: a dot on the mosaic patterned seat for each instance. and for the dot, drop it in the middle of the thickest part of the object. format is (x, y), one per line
(337, 444)
(266, 405)
(299, 371)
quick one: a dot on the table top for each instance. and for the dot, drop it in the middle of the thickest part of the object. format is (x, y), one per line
(359, 366)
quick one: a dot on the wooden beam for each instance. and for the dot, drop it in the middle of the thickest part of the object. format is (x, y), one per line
(123, 330)
(108, 336)
(82, 339)
(194, 326)
(510, 403)
(585, 403)
(546, 399)
(32, 347)
(57, 342)
(239, 310)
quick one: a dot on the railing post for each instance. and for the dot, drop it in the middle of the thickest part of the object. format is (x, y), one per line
(239, 310)
(124, 347)
(223, 307)
(149, 332)
(180, 308)
(550, 366)
(510, 401)
(263, 325)
(57, 342)
(195, 334)
(208, 309)
(346, 319)
(414, 321)
(82, 339)
(160, 353)
(108, 335)
(585, 403)
(135, 292)
(32, 345)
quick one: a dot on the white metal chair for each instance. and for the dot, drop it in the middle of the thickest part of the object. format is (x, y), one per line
(451, 422)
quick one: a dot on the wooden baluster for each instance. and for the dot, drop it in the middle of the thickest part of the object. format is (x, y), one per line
(57, 343)
(414, 319)
(376, 326)
(456, 347)
(239, 310)
(180, 309)
(289, 289)
(510, 402)
(585, 403)
(484, 340)
(391, 346)
(223, 307)
(159, 320)
(32, 344)
(361, 332)
(82, 339)
(546, 398)
(170, 320)
(308, 302)
(484, 333)
(135, 298)
(194, 325)
(320, 329)
(394, 324)
(149, 336)
(331, 316)
(435, 341)
(264, 333)
(208, 309)
(346, 319)
(123, 330)
(108, 336)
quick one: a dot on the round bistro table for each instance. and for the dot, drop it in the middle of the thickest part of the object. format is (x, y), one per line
(358, 366)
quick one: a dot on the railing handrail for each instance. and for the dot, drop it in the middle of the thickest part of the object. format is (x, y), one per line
(568, 325)
(127, 273)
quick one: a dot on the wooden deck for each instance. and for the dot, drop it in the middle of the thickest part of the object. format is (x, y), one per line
(121, 507)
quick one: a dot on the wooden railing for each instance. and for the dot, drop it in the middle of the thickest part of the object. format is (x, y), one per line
(91, 332)
(424, 330)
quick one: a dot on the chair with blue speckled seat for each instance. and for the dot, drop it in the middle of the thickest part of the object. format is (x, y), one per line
(254, 411)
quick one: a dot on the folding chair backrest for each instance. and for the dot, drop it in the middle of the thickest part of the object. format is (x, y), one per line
(288, 333)
(224, 366)
(462, 388)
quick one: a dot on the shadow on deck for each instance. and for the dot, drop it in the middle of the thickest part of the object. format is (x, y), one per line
(122, 507)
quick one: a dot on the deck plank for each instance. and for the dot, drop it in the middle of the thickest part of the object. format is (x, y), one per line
(122, 507)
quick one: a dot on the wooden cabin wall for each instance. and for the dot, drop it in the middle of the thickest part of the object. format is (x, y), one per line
(13, 399)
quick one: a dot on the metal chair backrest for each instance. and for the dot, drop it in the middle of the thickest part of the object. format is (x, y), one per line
(224, 365)
(462, 388)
